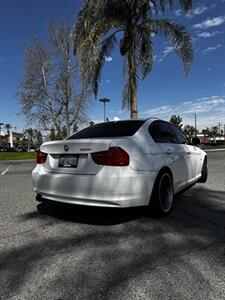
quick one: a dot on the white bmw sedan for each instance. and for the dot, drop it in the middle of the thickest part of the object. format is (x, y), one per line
(120, 164)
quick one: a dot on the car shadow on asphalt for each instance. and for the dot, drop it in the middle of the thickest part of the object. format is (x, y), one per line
(197, 202)
(89, 215)
(95, 261)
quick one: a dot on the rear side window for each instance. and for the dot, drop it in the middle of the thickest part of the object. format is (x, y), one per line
(108, 130)
(162, 133)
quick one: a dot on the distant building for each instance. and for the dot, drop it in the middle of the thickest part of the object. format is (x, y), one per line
(207, 140)
(203, 138)
(11, 139)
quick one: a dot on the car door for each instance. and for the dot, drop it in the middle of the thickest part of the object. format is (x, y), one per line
(172, 153)
(190, 154)
(194, 160)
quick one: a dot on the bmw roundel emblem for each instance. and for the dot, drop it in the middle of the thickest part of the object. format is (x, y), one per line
(66, 148)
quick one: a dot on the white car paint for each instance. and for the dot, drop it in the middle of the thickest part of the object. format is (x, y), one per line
(115, 186)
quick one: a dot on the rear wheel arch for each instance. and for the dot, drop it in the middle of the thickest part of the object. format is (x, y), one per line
(154, 205)
(164, 170)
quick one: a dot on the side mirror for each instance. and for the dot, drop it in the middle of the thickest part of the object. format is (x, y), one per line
(195, 141)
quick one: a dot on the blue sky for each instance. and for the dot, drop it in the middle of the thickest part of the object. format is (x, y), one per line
(165, 92)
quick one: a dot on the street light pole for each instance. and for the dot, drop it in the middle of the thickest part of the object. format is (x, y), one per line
(0, 132)
(195, 124)
(219, 124)
(1, 127)
(104, 100)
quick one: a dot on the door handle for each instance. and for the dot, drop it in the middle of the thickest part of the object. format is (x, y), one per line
(188, 153)
(168, 152)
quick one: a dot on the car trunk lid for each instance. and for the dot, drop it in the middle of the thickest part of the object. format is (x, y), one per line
(73, 156)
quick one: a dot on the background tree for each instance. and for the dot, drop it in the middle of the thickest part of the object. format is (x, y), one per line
(177, 120)
(8, 127)
(52, 134)
(38, 138)
(91, 123)
(47, 89)
(33, 137)
(205, 132)
(100, 25)
(211, 132)
(190, 130)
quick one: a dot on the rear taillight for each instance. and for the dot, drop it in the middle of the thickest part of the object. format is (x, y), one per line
(115, 156)
(41, 157)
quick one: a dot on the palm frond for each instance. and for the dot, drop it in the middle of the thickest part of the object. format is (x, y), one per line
(94, 20)
(186, 5)
(98, 60)
(144, 51)
(179, 38)
(125, 43)
(162, 5)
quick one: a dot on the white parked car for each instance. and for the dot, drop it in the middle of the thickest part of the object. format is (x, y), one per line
(120, 164)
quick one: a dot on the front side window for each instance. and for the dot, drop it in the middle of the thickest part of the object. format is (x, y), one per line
(180, 136)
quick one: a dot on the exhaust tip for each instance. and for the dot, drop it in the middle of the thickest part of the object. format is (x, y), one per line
(38, 198)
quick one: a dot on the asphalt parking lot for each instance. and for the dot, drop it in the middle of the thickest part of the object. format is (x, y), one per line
(63, 252)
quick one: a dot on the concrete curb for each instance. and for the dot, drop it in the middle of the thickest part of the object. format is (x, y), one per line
(213, 150)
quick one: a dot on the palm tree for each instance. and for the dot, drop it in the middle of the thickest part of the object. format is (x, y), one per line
(101, 24)
(8, 127)
(190, 130)
(176, 120)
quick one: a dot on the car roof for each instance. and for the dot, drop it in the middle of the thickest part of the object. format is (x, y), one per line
(129, 120)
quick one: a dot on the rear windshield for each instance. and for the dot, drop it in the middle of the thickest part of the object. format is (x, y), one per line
(108, 130)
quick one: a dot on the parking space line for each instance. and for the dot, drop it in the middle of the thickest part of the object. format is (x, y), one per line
(6, 170)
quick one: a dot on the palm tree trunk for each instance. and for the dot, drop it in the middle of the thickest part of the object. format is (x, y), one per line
(133, 101)
(132, 83)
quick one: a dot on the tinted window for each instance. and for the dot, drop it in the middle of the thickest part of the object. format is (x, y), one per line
(180, 136)
(162, 133)
(109, 129)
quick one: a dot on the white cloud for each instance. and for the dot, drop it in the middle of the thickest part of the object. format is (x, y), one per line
(212, 6)
(161, 110)
(107, 81)
(178, 12)
(166, 52)
(197, 11)
(211, 49)
(206, 34)
(209, 110)
(116, 119)
(210, 23)
(108, 58)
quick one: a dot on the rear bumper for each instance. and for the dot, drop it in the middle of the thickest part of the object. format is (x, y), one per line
(125, 188)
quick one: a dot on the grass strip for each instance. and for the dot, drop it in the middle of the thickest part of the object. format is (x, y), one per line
(17, 155)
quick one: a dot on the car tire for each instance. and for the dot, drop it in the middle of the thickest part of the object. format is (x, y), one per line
(204, 172)
(161, 201)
